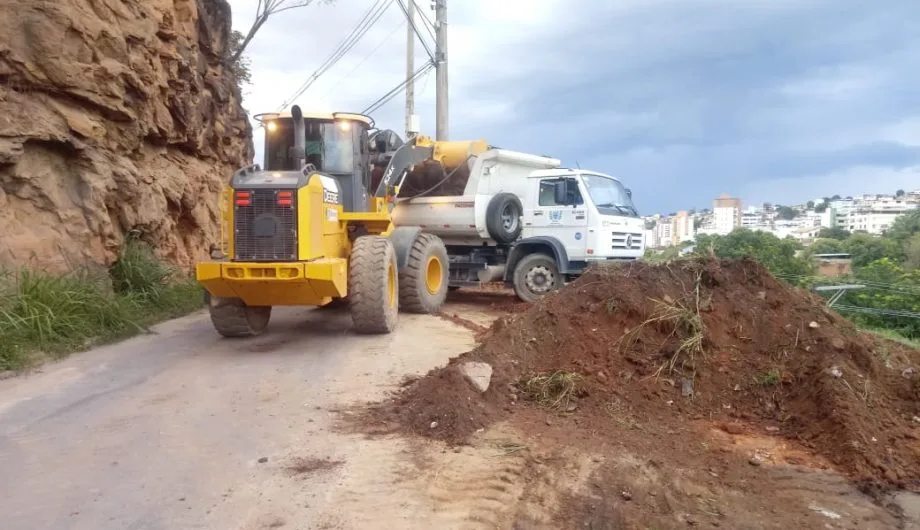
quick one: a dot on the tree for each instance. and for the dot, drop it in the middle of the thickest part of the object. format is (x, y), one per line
(836, 198)
(904, 226)
(912, 253)
(810, 205)
(826, 246)
(821, 207)
(239, 67)
(785, 212)
(264, 10)
(834, 233)
(864, 249)
(900, 193)
(777, 255)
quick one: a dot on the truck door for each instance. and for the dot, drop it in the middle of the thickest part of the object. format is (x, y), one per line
(566, 222)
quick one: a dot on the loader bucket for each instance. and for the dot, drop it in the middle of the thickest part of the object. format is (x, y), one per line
(447, 173)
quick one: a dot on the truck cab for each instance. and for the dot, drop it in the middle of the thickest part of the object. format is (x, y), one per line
(591, 214)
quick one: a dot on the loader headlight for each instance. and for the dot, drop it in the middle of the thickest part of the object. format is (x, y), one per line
(271, 126)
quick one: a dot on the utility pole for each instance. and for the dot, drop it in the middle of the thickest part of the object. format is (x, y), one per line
(440, 27)
(410, 67)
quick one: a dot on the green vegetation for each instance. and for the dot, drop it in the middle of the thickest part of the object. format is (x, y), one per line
(778, 255)
(44, 314)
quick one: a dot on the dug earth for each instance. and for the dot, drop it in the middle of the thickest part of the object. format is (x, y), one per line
(693, 393)
(115, 116)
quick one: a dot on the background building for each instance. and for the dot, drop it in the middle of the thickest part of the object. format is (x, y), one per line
(726, 212)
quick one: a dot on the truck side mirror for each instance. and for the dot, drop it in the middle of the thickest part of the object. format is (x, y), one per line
(560, 192)
(629, 193)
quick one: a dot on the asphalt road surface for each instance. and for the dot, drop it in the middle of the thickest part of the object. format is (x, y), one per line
(184, 429)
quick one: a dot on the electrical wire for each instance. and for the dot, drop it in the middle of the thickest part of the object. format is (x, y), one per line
(369, 19)
(368, 56)
(425, 68)
(415, 30)
(429, 25)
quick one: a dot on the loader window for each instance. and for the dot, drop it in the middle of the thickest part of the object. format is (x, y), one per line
(329, 146)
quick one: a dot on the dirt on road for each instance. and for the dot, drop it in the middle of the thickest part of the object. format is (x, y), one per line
(700, 392)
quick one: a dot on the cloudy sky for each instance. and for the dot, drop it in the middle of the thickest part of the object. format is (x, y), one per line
(769, 100)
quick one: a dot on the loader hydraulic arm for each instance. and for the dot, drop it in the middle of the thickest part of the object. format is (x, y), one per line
(399, 166)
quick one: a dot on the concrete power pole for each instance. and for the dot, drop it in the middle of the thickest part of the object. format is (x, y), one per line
(441, 114)
(410, 67)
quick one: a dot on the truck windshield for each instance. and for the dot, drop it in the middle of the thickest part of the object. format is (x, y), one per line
(609, 196)
(328, 146)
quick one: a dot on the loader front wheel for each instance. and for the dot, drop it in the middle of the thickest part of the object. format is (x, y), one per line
(231, 317)
(373, 285)
(423, 281)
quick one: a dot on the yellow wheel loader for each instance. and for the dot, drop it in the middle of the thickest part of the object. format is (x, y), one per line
(313, 228)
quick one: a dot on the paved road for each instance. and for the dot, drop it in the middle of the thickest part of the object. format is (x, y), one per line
(166, 431)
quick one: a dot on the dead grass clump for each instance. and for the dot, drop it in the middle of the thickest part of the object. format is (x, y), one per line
(556, 390)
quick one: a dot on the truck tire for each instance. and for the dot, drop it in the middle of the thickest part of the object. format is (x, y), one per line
(423, 281)
(232, 318)
(503, 218)
(373, 285)
(535, 275)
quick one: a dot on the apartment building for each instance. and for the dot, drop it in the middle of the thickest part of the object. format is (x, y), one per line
(726, 213)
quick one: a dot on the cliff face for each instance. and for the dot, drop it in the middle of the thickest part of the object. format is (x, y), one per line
(115, 115)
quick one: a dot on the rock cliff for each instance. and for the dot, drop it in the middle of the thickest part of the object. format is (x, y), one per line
(115, 115)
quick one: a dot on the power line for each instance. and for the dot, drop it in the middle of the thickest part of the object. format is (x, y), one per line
(422, 70)
(368, 56)
(405, 11)
(369, 19)
(429, 25)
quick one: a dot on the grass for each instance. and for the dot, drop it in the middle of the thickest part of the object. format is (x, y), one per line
(685, 321)
(893, 335)
(556, 390)
(44, 314)
(770, 378)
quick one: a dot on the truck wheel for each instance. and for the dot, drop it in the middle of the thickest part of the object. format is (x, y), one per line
(503, 217)
(231, 317)
(423, 282)
(534, 276)
(373, 285)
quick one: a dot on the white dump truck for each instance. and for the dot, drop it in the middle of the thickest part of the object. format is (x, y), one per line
(511, 216)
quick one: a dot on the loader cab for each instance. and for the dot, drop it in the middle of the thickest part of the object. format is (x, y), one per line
(336, 144)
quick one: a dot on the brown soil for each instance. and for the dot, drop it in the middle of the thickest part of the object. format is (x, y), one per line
(773, 362)
(305, 466)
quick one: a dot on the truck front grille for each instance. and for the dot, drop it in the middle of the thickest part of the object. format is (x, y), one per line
(629, 241)
(263, 230)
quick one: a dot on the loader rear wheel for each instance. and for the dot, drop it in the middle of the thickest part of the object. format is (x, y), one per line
(373, 285)
(423, 281)
(231, 317)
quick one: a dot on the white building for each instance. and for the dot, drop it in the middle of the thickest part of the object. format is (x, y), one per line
(867, 213)
(664, 233)
(682, 229)
(726, 212)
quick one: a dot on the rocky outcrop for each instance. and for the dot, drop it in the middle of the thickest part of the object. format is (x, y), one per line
(115, 116)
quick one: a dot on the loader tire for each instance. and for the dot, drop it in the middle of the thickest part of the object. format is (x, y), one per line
(503, 218)
(373, 285)
(232, 318)
(423, 281)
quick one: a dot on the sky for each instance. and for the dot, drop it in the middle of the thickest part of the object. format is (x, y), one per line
(767, 100)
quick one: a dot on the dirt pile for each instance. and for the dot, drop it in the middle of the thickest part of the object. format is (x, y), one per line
(115, 115)
(676, 345)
